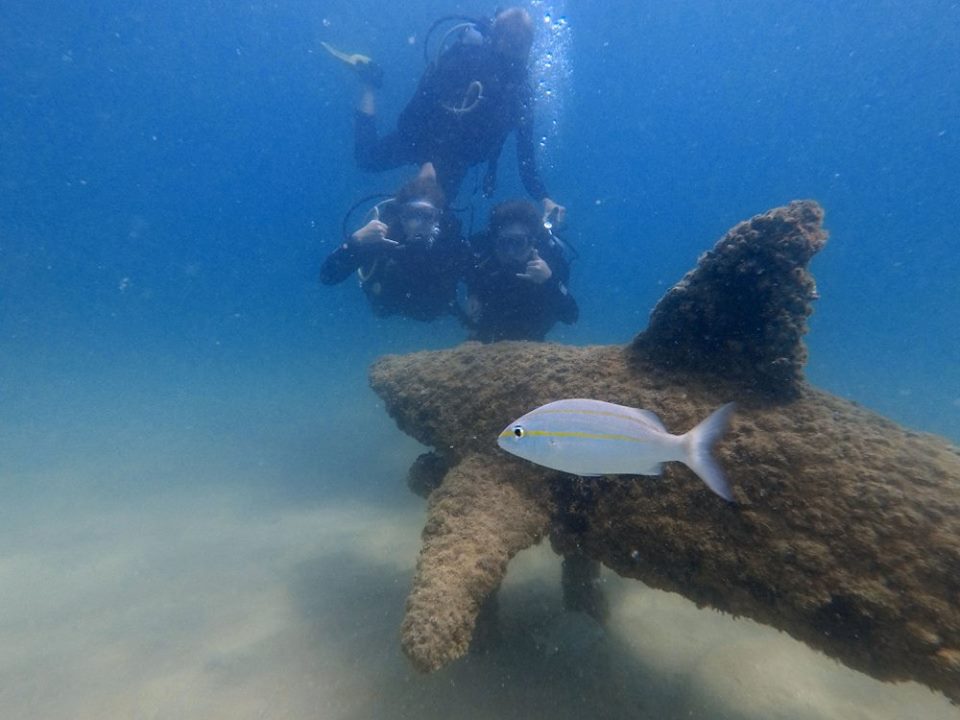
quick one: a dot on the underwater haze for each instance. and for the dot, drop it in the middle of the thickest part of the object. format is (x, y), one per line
(204, 511)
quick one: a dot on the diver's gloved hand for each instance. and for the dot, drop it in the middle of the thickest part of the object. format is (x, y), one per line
(489, 184)
(537, 272)
(553, 213)
(372, 234)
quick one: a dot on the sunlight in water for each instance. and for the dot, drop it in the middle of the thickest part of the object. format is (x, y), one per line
(552, 71)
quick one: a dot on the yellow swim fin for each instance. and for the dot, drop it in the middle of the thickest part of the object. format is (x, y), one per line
(348, 58)
(368, 71)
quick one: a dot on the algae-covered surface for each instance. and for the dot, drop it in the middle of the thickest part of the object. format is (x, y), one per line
(844, 532)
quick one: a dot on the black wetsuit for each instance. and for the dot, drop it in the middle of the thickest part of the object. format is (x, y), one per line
(412, 280)
(437, 126)
(513, 308)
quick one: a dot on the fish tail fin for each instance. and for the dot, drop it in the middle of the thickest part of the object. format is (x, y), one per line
(699, 443)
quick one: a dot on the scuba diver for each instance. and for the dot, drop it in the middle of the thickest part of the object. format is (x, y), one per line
(468, 101)
(517, 287)
(410, 257)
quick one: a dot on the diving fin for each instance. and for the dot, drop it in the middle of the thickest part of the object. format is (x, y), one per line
(367, 70)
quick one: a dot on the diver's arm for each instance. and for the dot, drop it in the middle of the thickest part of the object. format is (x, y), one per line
(559, 298)
(537, 271)
(354, 252)
(554, 212)
(565, 306)
(340, 264)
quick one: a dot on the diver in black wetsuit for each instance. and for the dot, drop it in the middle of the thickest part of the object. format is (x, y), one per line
(466, 105)
(411, 259)
(517, 287)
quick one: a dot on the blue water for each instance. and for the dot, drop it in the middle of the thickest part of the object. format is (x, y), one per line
(173, 174)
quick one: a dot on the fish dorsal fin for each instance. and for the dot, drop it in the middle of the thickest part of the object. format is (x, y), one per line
(648, 418)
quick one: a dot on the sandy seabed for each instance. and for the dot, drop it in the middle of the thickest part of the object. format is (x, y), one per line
(200, 604)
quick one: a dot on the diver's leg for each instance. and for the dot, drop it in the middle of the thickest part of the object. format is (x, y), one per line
(367, 103)
(450, 174)
(375, 153)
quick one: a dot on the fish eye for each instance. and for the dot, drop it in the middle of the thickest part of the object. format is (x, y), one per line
(518, 431)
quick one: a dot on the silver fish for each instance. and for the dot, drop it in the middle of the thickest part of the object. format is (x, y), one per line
(592, 437)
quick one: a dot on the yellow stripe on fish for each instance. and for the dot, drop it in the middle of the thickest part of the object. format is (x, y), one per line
(601, 413)
(567, 433)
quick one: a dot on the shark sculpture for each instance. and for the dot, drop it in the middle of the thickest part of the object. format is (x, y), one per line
(845, 530)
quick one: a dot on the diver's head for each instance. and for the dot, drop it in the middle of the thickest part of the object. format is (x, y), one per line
(512, 34)
(420, 220)
(515, 227)
(420, 204)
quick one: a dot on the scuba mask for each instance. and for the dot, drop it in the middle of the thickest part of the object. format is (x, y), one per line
(514, 247)
(421, 223)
